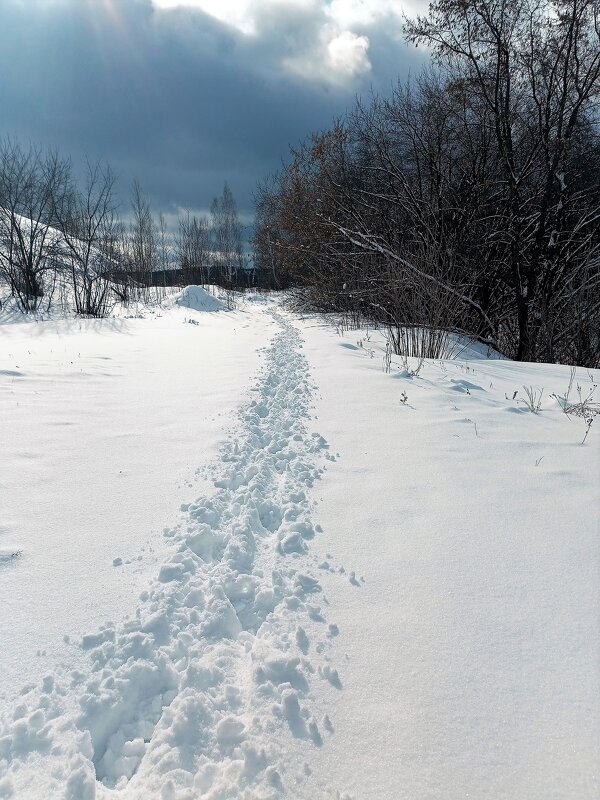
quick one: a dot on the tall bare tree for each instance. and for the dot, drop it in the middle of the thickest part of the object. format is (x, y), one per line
(143, 249)
(227, 233)
(477, 184)
(87, 219)
(30, 179)
(535, 66)
(193, 248)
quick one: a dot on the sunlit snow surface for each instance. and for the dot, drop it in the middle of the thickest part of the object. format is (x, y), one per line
(238, 560)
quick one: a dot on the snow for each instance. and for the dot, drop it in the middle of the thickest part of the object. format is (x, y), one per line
(481, 579)
(255, 565)
(195, 297)
(106, 426)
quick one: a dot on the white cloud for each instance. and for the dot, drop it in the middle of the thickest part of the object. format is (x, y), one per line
(237, 13)
(334, 44)
(349, 13)
(240, 14)
(320, 40)
(348, 54)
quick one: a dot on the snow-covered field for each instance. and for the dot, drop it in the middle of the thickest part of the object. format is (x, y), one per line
(238, 560)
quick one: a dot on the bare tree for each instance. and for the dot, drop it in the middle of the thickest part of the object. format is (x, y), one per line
(30, 179)
(193, 248)
(535, 66)
(477, 184)
(227, 233)
(87, 221)
(165, 253)
(143, 250)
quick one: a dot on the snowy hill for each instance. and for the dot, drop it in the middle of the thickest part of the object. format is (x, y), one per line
(238, 559)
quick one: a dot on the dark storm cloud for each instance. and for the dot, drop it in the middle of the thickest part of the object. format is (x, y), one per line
(176, 98)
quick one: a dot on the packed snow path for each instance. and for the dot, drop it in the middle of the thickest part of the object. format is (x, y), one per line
(190, 697)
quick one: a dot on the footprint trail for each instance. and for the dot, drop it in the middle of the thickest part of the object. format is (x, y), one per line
(194, 695)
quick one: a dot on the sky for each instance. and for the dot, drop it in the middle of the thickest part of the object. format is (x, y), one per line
(184, 95)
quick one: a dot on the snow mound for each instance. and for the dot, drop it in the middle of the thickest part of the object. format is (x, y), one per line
(196, 298)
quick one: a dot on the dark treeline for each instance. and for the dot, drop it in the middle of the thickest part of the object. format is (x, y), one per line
(64, 241)
(467, 200)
